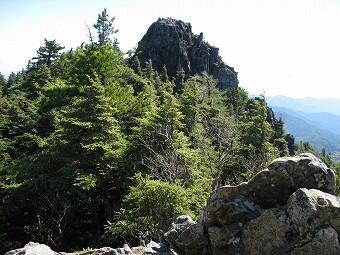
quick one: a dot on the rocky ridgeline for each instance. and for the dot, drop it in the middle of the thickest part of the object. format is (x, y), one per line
(289, 208)
(171, 43)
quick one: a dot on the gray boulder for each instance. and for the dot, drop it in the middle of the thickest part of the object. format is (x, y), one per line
(287, 208)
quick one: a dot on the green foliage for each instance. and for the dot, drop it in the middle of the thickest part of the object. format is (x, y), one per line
(48, 53)
(304, 147)
(149, 208)
(2, 83)
(336, 168)
(278, 137)
(105, 29)
(105, 62)
(236, 100)
(255, 129)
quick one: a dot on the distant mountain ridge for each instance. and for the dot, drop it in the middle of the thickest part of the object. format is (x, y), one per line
(310, 119)
(308, 104)
(305, 128)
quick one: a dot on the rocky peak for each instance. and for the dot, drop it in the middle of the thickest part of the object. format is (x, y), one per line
(172, 43)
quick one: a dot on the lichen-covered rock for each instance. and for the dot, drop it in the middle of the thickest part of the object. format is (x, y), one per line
(325, 241)
(171, 43)
(303, 226)
(306, 171)
(284, 209)
(266, 234)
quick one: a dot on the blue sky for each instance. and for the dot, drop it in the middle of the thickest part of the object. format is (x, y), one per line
(289, 47)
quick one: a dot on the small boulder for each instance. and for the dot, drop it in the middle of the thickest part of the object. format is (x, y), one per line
(32, 248)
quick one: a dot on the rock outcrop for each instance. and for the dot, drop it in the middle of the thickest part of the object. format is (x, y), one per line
(288, 208)
(171, 42)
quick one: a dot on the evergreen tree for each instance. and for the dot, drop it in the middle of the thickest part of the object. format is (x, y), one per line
(164, 75)
(19, 121)
(236, 101)
(48, 53)
(35, 78)
(4, 157)
(159, 133)
(75, 170)
(278, 139)
(136, 66)
(178, 80)
(13, 84)
(190, 101)
(256, 131)
(256, 150)
(90, 132)
(220, 130)
(2, 83)
(105, 29)
(148, 71)
(149, 208)
(56, 98)
(104, 61)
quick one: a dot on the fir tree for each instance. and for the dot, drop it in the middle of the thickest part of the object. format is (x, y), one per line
(48, 53)
(105, 29)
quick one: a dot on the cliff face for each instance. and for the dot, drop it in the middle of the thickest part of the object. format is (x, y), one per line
(171, 42)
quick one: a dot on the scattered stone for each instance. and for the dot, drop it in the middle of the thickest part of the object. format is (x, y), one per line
(41, 249)
(32, 249)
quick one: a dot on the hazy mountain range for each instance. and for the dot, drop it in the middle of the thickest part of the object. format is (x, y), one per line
(310, 119)
(308, 104)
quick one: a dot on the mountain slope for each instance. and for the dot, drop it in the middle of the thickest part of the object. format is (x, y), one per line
(320, 129)
(327, 121)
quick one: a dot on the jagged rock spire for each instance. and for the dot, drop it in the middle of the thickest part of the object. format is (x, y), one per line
(171, 42)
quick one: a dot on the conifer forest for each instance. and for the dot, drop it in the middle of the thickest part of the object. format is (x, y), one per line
(96, 150)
